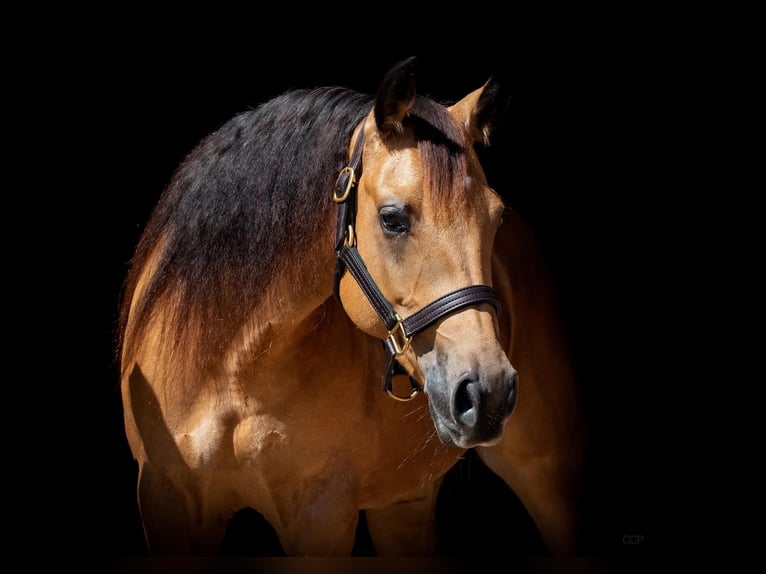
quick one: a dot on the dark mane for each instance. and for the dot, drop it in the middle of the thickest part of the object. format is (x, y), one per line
(243, 199)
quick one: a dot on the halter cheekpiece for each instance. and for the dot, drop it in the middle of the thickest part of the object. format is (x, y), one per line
(347, 257)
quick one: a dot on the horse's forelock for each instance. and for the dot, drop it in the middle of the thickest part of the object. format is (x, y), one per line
(441, 142)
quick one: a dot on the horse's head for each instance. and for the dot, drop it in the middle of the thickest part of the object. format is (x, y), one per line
(425, 225)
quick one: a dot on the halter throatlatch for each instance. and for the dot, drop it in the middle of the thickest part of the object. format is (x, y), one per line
(400, 331)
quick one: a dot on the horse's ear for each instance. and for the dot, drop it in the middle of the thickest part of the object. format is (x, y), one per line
(483, 110)
(395, 97)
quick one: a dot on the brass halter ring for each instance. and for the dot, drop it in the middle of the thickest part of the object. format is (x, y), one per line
(403, 398)
(350, 236)
(400, 398)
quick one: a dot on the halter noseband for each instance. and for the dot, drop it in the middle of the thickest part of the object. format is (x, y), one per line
(400, 331)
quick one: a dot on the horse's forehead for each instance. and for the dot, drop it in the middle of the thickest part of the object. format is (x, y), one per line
(397, 169)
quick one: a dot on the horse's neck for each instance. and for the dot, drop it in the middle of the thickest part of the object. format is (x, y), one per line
(292, 330)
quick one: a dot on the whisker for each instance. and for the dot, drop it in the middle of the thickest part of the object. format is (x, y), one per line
(421, 448)
(416, 409)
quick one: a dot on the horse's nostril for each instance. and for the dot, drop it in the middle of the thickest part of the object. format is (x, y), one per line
(479, 410)
(465, 401)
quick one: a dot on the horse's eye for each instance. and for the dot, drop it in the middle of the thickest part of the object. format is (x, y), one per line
(394, 220)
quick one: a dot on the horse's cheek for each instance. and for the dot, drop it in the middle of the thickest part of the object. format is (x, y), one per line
(359, 310)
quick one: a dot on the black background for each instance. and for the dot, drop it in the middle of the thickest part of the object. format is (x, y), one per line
(579, 156)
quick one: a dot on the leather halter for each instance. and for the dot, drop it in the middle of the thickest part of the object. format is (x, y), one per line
(400, 331)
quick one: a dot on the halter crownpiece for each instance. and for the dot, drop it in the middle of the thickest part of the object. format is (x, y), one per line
(347, 257)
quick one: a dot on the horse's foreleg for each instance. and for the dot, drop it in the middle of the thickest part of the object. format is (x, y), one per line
(163, 514)
(319, 518)
(175, 518)
(406, 528)
(547, 483)
(174, 524)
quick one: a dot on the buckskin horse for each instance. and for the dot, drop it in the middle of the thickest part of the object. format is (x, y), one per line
(327, 307)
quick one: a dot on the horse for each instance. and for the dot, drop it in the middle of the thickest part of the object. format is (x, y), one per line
(327, 308)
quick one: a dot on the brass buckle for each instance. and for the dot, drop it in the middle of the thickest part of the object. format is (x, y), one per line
(349, 185)
(402, 343)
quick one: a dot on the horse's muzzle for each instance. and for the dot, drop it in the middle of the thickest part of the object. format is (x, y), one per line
(476, 408)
